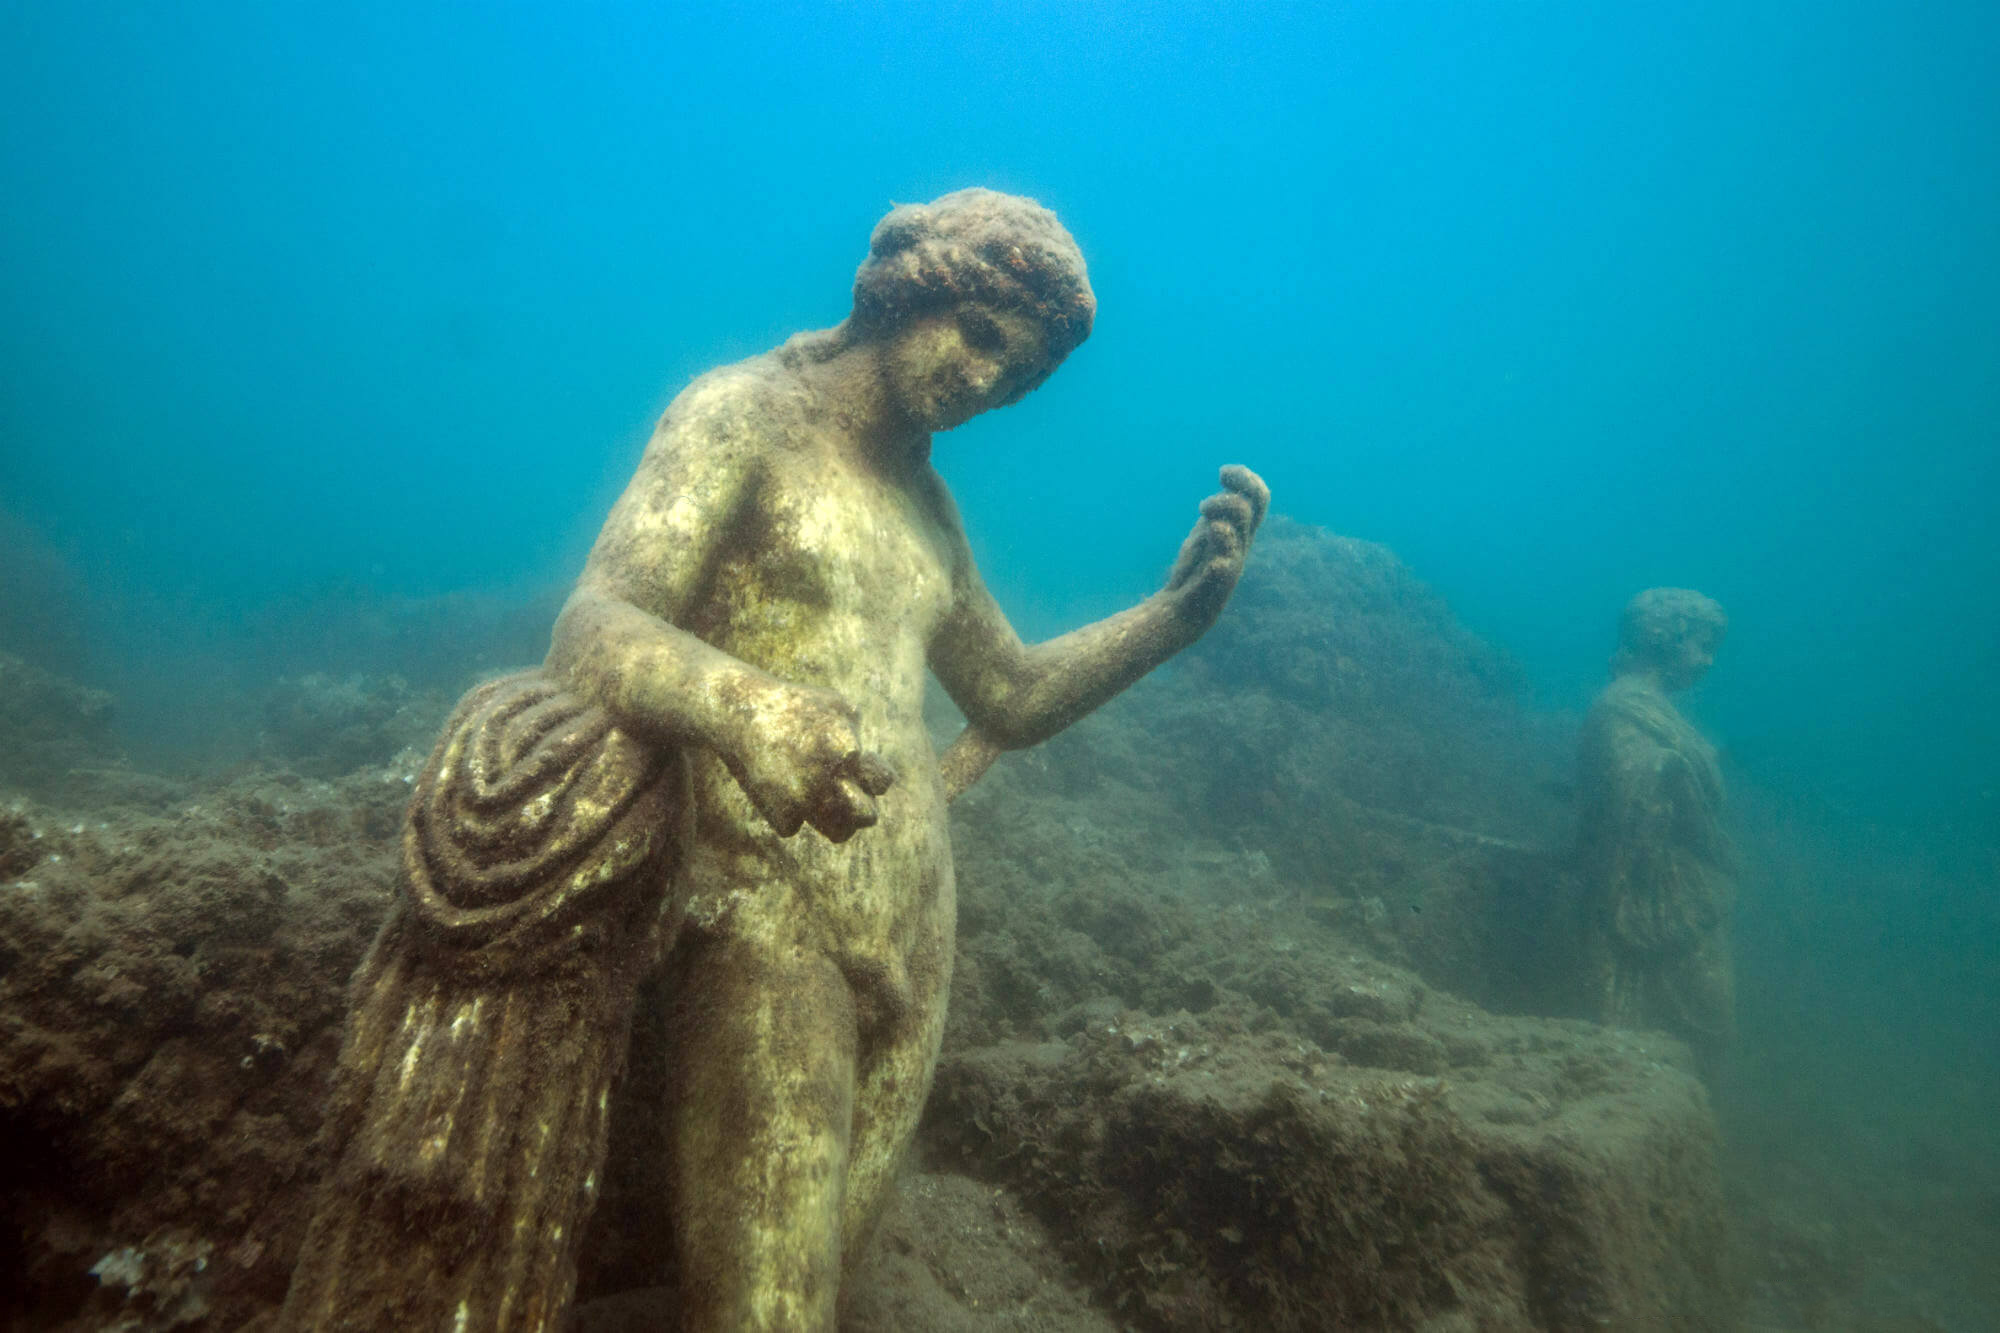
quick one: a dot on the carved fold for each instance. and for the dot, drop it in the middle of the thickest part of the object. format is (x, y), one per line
(489, 1021)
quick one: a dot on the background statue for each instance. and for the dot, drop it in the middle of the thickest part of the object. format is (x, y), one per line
(744, 656)
(1655, 860)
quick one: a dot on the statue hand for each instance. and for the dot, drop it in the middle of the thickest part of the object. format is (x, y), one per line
(1211, 559)
(804, 764)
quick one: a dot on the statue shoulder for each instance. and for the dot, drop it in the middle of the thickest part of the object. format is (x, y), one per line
(1635, 701)
(756, 403)
(1627, 728)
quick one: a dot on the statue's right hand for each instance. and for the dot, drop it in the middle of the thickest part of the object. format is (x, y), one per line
(804, 763)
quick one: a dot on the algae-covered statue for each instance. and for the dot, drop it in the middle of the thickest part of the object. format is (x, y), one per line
(744, 655)
(1655, 859)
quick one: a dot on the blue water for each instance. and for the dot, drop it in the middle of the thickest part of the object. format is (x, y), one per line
(1557, 300)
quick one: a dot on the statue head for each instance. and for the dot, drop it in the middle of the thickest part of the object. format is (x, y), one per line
(1672, 632)
(976, 298)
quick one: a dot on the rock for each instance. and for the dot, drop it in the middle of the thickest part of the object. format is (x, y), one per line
(50, 726)
(1338, 736)
(1210, 1176)
(171, 993)
(324, 726)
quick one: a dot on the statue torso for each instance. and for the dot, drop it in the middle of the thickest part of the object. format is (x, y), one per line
(834, 575)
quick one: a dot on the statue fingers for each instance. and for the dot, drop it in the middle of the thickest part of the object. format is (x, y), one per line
(1251, 487)
(1229, 521)
(785, 814)
(844, 810)
(871, 772)
(1228, 505)
(779, 787)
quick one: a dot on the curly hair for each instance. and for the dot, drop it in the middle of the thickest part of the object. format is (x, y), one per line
(1659, 620)
(976, 245)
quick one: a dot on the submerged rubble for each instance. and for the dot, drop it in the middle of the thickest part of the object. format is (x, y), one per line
(1211, 1061)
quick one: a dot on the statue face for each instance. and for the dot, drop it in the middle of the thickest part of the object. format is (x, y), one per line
(1689, 661)
(947, 367)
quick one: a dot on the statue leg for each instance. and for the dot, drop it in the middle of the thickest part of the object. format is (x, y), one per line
(897, 1063)
(1700, 994)
(761, 1120)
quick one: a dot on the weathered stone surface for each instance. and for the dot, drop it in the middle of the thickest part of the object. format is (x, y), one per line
(171, 987)
(1219, 1171)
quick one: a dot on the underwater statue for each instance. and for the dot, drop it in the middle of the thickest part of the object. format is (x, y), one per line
(743, 656)
(1655, 860)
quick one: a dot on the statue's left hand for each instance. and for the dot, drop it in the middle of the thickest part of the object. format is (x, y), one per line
(1211, 559)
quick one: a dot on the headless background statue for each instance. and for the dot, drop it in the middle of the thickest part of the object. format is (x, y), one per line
(1654, 857)
(744, 655)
